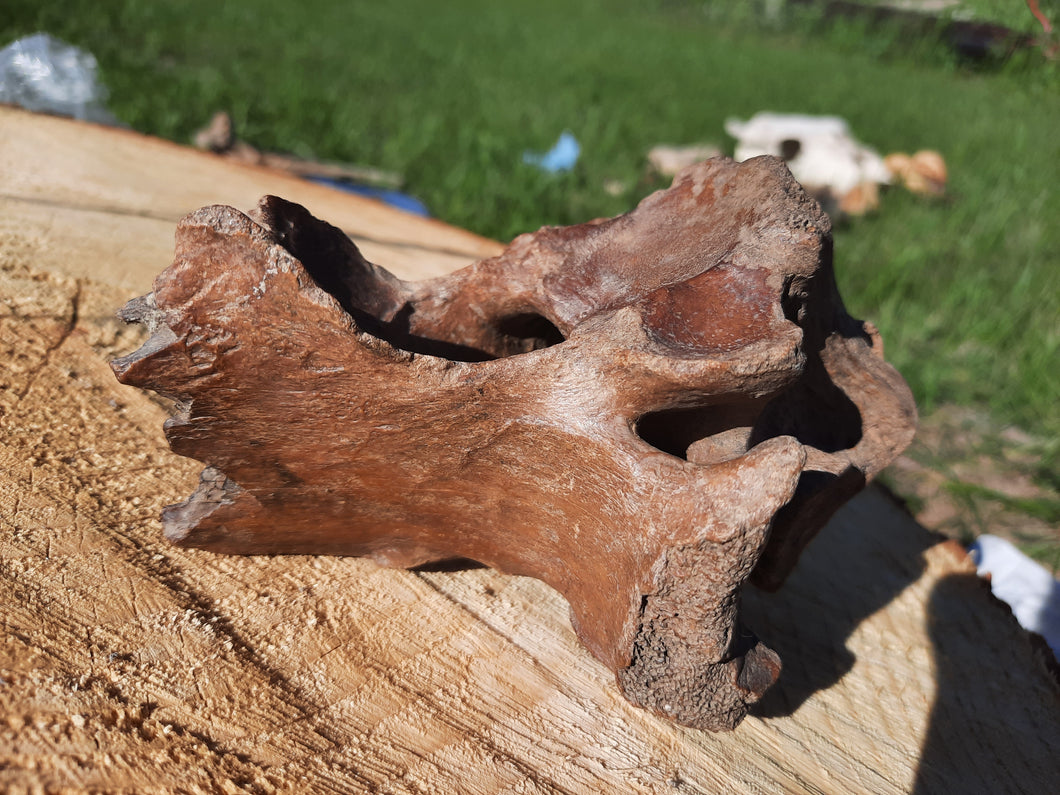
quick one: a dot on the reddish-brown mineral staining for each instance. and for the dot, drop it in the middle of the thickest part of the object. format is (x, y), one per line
(645, 412)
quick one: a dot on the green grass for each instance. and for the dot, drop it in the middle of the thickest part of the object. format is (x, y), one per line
(1013, 14)
(965, 291)
(1047, 510)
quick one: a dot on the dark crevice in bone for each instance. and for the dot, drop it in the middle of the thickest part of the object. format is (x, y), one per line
(815, 411)
(374, 298)
(448, 565)
(530, 331)
(331, 259)
(817, 497)
(706, 434)
(377, 301)
(397, 332)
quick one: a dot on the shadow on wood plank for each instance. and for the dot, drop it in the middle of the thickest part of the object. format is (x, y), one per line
(992, 728)
(859, 563)
(992, 722)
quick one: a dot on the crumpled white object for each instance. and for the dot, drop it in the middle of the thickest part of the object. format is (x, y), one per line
(820, 150)
(1023, 584)
(42, 73)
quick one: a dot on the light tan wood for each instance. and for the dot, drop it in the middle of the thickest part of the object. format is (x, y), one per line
(129, 665)
(57, 181)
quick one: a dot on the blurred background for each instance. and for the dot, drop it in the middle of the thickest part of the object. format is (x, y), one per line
(447, 104)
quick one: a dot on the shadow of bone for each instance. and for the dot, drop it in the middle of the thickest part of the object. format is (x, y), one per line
(820, 414)
(855, 567)
(992, 727)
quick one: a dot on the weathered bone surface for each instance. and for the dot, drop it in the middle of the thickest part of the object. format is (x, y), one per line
(644, 412)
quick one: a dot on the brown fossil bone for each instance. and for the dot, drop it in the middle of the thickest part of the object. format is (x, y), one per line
(643, 412)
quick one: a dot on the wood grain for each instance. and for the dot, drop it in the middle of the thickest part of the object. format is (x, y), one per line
(129, 665)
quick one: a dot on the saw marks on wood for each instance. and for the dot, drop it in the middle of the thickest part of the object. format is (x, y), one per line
(128, 665)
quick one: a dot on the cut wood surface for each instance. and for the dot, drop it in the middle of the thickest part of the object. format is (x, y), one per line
(129, 665)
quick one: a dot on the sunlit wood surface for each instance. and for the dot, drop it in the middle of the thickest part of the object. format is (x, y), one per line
(128, 665)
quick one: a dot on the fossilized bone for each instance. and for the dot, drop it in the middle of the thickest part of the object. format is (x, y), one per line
(643, 412)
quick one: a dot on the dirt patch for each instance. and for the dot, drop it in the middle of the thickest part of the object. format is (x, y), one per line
(963, 477)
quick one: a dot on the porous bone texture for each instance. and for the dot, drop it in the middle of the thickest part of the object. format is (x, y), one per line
(645, 412)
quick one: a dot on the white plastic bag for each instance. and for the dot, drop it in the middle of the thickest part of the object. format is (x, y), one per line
(1024, 584)
(42, 73)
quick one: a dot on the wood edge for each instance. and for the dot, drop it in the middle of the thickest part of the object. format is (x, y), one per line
(478, 246)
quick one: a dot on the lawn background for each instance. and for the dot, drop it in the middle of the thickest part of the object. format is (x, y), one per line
(965, 291)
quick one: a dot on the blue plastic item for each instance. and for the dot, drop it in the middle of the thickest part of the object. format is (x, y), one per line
(394, 198)
(560, 157)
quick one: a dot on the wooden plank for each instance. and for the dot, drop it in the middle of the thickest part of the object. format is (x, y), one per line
(130, 665)
(60, 180)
